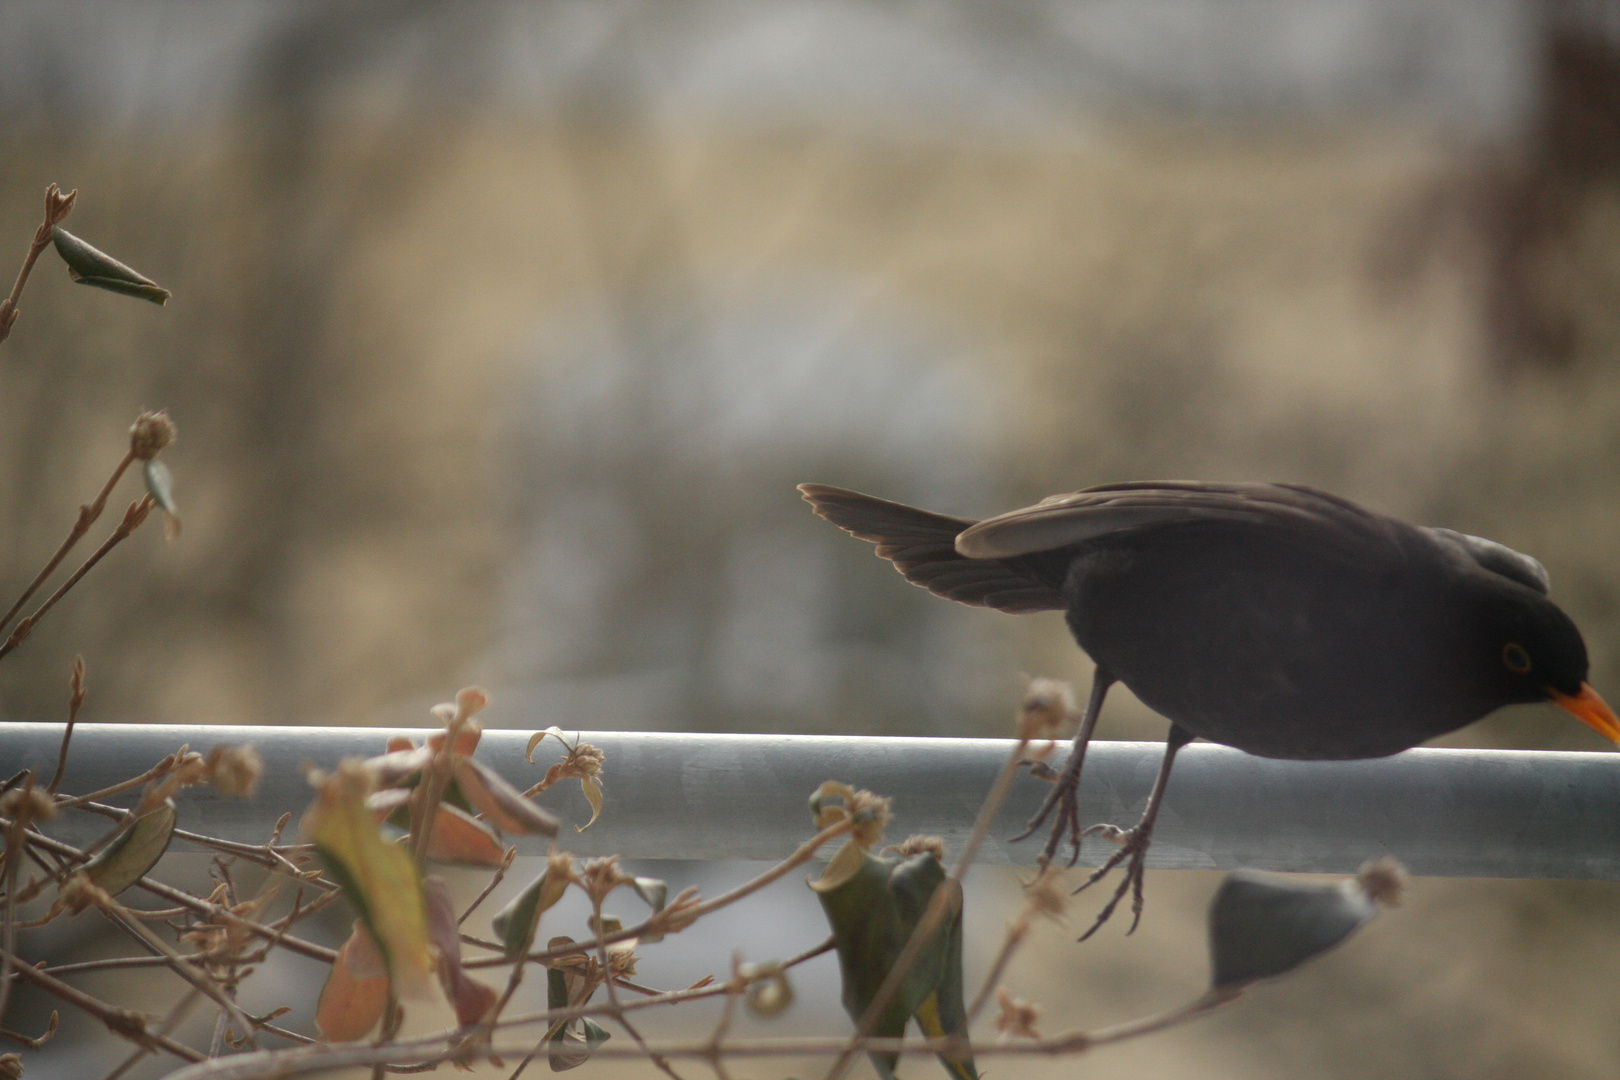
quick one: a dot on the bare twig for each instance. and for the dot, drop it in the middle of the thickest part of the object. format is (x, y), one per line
(803, 854)
(34, 1042)
(180, 965)
(499, 875)
(206, 908)
(122, 1022)
(87, 517)
(432, 1049)
(162, 768)
(132, 520)
(75, 702)
(57, 207)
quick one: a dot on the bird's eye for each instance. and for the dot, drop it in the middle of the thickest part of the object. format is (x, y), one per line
(1516, 659)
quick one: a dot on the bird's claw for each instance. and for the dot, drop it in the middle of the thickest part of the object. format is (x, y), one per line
(1133, 846)
(1064, 800)
(1112, 833)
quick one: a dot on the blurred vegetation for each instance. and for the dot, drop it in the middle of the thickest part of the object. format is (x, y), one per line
(471, 391)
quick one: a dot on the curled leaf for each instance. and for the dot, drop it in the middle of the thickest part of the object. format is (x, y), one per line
(769, 992)
(654, 892)
(516, 923)
(583, 763)
(540, 736)
(160, 485)
(593, 795)
(135, 850)
(90, 266)
(489, 793)
(874, 903)
(1261, 925)
(570, 1048)
(471, 998)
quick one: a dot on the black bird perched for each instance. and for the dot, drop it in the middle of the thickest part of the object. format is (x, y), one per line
(1275, 618)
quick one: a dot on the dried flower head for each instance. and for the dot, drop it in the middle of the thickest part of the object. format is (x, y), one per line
(560, 866)
(1048, 706)
(235, 770)
(919, 845)
(79, 892)
(150, 433)
(1043, 897)
(1018, 1017)
(584, 762)
(1383, 880)
(675, 916)
(25, 805)
(601, 876)
(868, 814)
(190, 768)
(11, 1067)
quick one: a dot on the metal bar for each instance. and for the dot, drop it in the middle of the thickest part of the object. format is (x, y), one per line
(1476, 813)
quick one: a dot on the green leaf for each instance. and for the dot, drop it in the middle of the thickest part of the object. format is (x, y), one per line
(654, 892)
(516, 923)
(90, 266)
(134, 851)
(873, 903)
(160, 485)
(570, 1049)
(1261, 925)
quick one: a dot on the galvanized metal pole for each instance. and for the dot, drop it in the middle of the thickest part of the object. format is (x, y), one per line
(1480, 813)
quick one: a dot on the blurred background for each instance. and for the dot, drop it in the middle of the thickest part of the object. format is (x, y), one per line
(502, 332)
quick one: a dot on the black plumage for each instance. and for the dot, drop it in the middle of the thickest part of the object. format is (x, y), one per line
(1275, 618)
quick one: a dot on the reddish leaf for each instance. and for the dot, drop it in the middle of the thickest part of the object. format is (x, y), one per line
(356, 990)
(502, 803)
(461, 838)
(471, 998)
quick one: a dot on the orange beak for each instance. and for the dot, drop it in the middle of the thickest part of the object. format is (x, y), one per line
(1590, 710)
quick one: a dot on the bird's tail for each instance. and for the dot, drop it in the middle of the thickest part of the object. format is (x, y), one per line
(922, 546)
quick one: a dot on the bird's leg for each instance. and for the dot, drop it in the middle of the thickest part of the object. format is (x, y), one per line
(1133, 842)
(1064, 793)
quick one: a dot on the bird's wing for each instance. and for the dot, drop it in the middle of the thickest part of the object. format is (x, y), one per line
(1499, 559)
(1332, 526)
(922, 546)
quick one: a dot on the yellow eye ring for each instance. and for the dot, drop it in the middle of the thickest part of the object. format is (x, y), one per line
(1516, 659)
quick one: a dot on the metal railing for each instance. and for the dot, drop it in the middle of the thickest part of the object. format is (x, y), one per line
(1474, 813)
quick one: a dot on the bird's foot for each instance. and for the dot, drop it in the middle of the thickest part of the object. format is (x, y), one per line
(1064, 801)
(1133, 846)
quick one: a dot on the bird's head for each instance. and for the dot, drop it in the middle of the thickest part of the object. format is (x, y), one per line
(1535, 653)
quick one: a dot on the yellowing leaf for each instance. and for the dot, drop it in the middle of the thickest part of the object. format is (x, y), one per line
(593, 795)
(134, 851)
(380, 879)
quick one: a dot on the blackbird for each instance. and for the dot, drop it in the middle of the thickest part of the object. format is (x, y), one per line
(1274, 618)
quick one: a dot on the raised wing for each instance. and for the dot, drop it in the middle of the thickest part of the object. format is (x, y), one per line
(1332, 526)
(922, 546)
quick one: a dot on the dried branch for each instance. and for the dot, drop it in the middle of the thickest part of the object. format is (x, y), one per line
(132, 520)
(57, 208)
